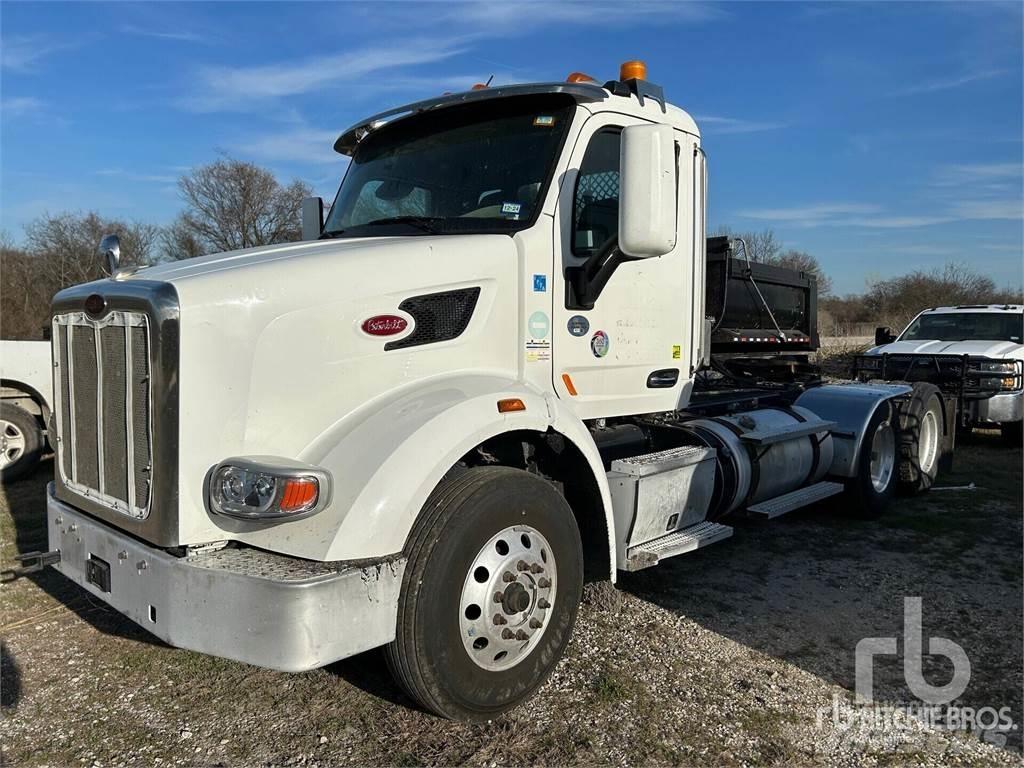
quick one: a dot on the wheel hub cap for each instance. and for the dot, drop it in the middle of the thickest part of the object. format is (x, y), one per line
(883, 456)
(507, 597)
(12, 444)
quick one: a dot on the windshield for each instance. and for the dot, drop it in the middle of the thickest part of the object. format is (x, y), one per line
(966, 326)
(481, 167)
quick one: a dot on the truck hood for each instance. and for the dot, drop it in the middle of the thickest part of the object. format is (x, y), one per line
(994, 349)
(175, 271)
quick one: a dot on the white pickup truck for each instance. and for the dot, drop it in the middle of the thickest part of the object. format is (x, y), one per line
(977, 349)
(469, 389)
(26, 391)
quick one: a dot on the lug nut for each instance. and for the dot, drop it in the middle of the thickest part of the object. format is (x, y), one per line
(543, 583)
(535, 624)
(499, 596)
(543, 604)
(508, 577)
(522, 565)
(536, 568)
(507, 634)
(499, 619)
(520, 635)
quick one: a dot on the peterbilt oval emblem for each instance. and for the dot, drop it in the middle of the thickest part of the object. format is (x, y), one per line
(384, 325)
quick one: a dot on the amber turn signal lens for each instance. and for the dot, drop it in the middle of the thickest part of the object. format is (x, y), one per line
(569, 386)
(511, 404)
(579, 77)
(479, 86)
(299, 494)
(633, 70)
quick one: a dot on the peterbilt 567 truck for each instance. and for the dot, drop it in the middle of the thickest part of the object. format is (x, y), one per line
(469, 389)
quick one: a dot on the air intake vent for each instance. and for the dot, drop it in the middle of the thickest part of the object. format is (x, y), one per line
(439, 317)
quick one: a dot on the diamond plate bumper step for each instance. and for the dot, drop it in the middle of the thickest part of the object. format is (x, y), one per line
(801, 497)
(672, 544)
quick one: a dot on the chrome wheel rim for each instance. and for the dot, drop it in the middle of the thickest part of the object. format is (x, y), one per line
(12, 443)
(883, 456)
(928, 442)
(507, 598)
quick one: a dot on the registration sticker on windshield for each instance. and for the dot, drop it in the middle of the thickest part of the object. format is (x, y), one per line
(511, 208)
(545, 121)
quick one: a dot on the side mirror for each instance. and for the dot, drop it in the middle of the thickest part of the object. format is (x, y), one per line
(312, 217)
(884, 335)
(110, 250)
(647, 191)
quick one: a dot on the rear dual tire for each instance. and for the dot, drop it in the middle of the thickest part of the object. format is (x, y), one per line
(921, 428)
(486, 533)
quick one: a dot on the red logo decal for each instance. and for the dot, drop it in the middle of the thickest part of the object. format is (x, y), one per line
(385, 325)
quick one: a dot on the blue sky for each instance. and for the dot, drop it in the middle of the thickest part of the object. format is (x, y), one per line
(880, 137)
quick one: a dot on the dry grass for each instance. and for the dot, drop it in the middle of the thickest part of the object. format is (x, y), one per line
(720, 657)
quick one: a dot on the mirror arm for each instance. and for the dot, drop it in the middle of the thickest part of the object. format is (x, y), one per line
(590, 278)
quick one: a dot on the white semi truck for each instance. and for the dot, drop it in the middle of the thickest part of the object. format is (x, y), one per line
(468, 390)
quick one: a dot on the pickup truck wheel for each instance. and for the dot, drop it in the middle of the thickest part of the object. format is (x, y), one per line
(869, 493)
(489, 598)
(920, 439)
(21, 442)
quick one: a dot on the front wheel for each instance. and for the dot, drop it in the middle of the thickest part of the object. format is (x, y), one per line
(869, 493)
(21, 442)
(490, 593)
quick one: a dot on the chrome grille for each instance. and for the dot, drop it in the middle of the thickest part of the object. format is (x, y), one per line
(104, 434)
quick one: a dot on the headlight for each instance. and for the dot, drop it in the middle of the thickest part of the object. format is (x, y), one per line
(268, 488)
(998, 367)
(870, 361)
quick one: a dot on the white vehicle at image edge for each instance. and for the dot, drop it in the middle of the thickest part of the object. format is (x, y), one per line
(26, 385)
(989, 337)
(469, 389)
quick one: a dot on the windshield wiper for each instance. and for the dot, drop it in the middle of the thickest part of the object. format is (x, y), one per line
(423, 223)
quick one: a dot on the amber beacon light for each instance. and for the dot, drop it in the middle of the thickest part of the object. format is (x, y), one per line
(633, 70)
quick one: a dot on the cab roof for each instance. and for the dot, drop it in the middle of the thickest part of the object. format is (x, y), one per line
(635, 97)
(974, 308)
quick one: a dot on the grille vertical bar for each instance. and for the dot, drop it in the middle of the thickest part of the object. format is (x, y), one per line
(104, 413)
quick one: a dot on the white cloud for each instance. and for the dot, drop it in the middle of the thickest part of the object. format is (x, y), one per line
(240, 88)
(20, 106)
(810, 215)
(135, 176)
(990, 209)
(946, 83)
(956, 175)
(723, 125)
(876, 217)
(299, 145)
(179, 35)
(22, 54)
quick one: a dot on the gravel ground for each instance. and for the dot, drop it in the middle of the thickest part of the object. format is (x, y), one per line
(734, 655)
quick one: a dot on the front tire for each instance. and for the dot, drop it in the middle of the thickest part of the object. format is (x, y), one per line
(21, 442)
(490, 593)
(870, 492)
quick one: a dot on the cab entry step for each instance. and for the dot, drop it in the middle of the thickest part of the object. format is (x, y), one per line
(677, 543)
(801, 497)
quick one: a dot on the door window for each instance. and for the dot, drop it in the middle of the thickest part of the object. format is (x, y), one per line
(595, 208)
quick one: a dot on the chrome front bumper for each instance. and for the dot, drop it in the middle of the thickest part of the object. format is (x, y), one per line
(242, 604)
(998, 409)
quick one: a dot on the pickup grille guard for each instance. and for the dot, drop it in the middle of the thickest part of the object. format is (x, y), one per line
(964, 376)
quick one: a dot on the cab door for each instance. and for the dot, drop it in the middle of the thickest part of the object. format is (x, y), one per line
(630, 352)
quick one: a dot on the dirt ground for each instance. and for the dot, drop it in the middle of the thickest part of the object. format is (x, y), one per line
(734, 655)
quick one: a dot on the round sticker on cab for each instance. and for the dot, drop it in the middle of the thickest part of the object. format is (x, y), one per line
(599, 343)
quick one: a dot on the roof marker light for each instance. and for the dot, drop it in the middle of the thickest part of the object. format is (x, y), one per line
(633, 70)
(579, 77)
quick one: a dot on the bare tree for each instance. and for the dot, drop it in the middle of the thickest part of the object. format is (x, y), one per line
(230, 205)
(804, 262)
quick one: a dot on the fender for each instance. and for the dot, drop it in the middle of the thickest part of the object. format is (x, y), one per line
(851, 406)
(388, 456)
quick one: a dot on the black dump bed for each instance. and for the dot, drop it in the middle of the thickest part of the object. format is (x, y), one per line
(758, 307)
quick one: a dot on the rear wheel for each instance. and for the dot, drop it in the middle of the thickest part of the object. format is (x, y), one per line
(920, 439)
(21, 442)
(490, 593)
(869, 493)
